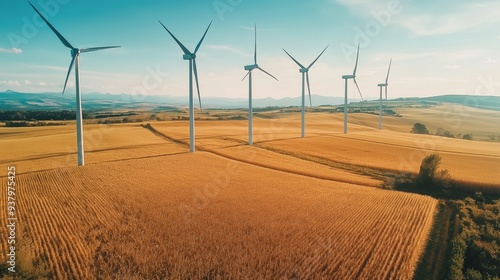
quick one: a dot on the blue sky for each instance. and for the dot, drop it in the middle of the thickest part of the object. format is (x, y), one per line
(438, 47)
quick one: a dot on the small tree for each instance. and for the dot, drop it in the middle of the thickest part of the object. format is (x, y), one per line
(419, 128)
(467, 136)
(430, 175)
(446, 133)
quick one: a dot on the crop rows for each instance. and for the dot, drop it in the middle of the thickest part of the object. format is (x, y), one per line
(129, 219)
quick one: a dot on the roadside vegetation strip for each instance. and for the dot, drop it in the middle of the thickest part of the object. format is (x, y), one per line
(433, 262)
(303, 168)
(469, 173)
(376, 173)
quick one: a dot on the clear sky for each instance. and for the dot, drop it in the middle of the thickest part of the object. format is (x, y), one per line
(438, 47)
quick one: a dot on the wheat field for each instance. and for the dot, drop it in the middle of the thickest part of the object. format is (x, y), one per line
(143, 207)
(153, 219)
(465, 162)
(46, 148)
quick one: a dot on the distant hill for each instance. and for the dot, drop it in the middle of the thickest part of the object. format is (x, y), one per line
(10, 100)
(475, 101)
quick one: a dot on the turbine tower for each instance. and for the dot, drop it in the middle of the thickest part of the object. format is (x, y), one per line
(250, 68)
(353, 77)
(305, 76)
(381, 86)
(191, 57)
(75, 54)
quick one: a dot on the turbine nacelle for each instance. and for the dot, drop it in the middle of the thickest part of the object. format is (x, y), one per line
(382, 85)
(251, 67)
(348, 77)
(189, 56)
(305, 79)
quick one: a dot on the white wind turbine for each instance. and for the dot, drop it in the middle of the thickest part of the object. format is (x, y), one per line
(250, 68)
(192, 69)
(353, 77)
(381, 86)
(75, 54)
(305, 77)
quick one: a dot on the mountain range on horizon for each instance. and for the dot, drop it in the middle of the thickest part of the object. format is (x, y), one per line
(12, 100)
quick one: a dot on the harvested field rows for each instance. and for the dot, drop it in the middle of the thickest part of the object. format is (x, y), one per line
(237, 149)
(478, 165)
(151, 218)
(35, 149)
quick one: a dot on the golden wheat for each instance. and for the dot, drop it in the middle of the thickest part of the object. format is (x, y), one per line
(152, 218)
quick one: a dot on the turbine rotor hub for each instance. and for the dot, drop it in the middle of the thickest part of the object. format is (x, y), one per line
(304, 70)
(189, 56)
(74, 52)
(251, 67)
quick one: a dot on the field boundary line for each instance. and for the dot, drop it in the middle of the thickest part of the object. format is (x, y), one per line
(285, 170)
(398, 145)
(159, 134)
(214, 152)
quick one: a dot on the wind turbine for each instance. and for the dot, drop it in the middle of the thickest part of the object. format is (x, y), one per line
(191, 56)
(353, 77)
(250, 68)
(381, 86)
(305, 76)
(75, 54)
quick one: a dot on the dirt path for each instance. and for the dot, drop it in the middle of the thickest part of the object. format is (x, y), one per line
(433, 261)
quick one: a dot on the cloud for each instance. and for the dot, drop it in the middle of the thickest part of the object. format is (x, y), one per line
(450, 67)
(10, 83)
(47, 67)
(13, 50)
(438, 19)
(468, 16)
(226, 48)
(490, 60)
(403, 56)
(26, 82)
(477, 15)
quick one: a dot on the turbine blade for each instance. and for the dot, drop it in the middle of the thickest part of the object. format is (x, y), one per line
(386, 93)
(356, 66)
(298, 63)
(69, 72)
(202, 38)
(267, 73)
(98, 49)
(255, 52)
(388, 71)
(356, 83)
(309, 89)
(317, 57)
(248, 73)
(184, 49)
(63, 40)
(195, 69)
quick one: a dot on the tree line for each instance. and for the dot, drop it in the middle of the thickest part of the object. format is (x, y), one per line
(38, 115)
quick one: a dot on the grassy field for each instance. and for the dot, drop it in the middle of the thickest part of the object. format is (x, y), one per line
(143, 207)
